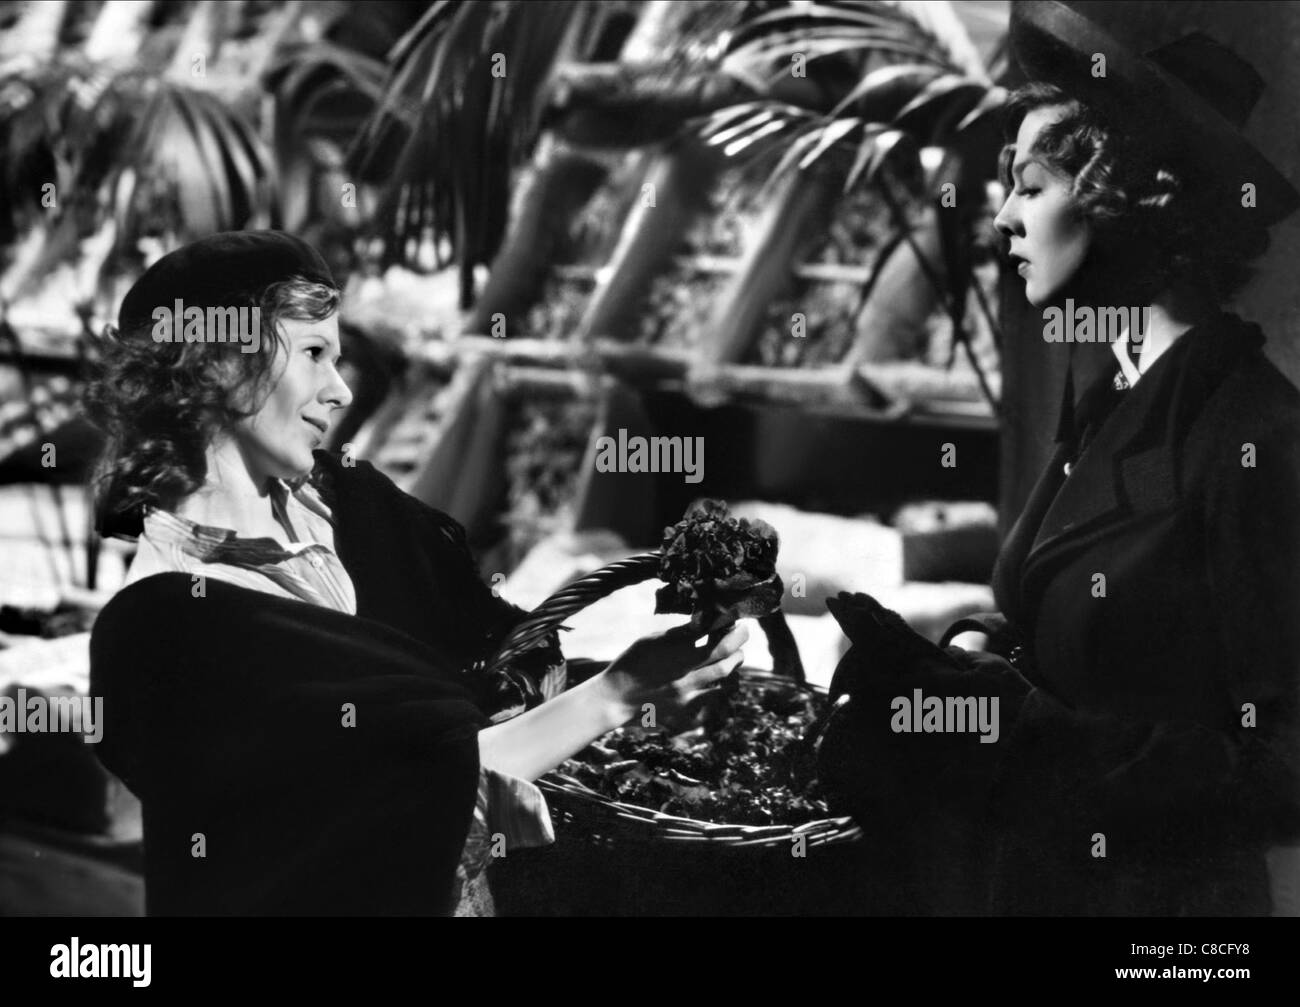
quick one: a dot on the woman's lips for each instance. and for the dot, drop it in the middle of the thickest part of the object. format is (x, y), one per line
(316, 428)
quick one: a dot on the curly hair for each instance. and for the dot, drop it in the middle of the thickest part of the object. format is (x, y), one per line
(161, 404)
(1157, 220)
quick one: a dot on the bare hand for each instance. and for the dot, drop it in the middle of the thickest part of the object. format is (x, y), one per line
(666, 677)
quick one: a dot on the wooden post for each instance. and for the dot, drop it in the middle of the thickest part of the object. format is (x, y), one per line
(801, 205)
(555, 188)
(675, 191)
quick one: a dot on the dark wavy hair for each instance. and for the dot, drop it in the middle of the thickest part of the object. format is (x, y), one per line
(161, 404)
(1156, 221)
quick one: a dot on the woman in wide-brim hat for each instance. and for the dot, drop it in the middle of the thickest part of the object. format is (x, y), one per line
(1149, 594)
(288, 674)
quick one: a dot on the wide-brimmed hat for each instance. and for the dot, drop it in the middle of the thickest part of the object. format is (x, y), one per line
(1194, 94)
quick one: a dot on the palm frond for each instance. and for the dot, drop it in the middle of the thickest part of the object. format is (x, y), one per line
(884, 91)
(870, 29)
(932, 113)
(310, 80)
(827, 138)
(453, 120)
(190, 142)
(910, 68)
(797, 148)
(992, 103)
(151, 153)
(772, 56)
(877, 147)
(938, 20)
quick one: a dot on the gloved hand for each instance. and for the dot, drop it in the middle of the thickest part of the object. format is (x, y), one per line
(923, 726)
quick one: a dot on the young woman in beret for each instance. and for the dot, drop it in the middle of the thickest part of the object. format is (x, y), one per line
(286, 673)
(1146, 651)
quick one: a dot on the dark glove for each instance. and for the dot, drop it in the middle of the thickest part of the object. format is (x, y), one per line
(924, 724)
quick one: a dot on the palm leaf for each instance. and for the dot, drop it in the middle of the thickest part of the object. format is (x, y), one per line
(993, 102)
(876, 148)
(874, 16)
(451, 130)
(940, 104)
(187, 165)
(309, 76)
(795, 150)
(883, 91)
(725, 117)
(764, 133)
(773, 54)
(828, 136)
(718, 137)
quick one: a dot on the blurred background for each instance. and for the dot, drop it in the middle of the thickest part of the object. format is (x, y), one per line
(766, 224)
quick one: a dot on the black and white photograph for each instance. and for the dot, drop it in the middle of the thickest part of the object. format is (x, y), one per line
(651, 458)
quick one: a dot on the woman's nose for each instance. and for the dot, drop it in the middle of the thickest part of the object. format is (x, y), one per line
(337, 391)
(1007, 221)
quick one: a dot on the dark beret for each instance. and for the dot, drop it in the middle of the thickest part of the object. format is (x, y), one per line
(230, 269)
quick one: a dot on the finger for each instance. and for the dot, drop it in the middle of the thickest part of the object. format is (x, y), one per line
(712, 675)
(719, 632)
(728, 645)
(685, 638)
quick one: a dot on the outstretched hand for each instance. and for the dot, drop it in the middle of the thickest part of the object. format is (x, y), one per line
(669, 677)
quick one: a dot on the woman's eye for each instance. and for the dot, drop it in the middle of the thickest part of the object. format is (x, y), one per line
(314, 352)
(1030, 191)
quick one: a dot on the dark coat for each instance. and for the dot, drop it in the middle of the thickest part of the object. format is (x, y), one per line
(1150, 605)
(1156, 593)
(225, 715)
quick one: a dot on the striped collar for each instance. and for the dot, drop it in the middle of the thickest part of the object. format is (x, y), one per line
(307, 569)
(302, 511)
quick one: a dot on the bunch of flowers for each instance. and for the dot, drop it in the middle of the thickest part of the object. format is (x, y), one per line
(718, 568)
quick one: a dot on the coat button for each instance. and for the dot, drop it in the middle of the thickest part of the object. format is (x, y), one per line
(1068, 468)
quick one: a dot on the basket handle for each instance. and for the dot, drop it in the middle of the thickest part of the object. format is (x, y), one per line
(574, 597)
(782, 646)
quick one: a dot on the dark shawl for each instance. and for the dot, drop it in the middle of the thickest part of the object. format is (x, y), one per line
(224, 715)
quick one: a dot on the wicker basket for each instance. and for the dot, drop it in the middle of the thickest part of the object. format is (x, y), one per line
(603, 820)
(653, 863)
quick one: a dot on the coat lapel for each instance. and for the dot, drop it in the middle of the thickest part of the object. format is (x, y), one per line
(1130, 470)
(1120, 477)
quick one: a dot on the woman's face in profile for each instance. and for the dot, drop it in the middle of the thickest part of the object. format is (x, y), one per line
(1049, 238)
(277, 441)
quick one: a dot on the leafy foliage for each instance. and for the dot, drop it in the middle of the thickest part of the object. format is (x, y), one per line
(464, 98)
(906, 88)
(742, 771)
(911, 84)
(717, 567)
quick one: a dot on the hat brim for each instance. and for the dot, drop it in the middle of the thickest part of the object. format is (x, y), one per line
(1055, 44)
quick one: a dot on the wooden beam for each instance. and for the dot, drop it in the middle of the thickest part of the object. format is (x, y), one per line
(902, 391)
(798, 206)
(719, 265)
